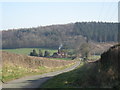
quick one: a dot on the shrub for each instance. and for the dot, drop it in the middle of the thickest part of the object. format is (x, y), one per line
(34, 53)
(40, 53)
(47, 54)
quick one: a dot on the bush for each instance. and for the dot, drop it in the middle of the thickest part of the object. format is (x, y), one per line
(34, 53)
(47, 54)
(40, 53)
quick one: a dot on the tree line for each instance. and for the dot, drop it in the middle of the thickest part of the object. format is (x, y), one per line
(52, 36)
(40, 54)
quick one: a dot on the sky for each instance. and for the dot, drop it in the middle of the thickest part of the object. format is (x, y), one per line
(15, 15)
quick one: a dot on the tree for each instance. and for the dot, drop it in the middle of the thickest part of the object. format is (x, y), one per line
(52, 36)
(34, 53)
(78, 43)
(55, 55)
(31, 53)
(40, 53)
(85, 49)
(47, 54)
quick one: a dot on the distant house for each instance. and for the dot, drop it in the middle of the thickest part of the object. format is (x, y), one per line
(59, 54)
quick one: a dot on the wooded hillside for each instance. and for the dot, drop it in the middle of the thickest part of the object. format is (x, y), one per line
(67, 34)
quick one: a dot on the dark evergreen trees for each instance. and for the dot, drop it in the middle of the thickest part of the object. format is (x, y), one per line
(40, 53)
(47, 54)
(34, 53)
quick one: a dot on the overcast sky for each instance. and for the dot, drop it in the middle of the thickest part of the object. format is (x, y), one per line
(33, 14)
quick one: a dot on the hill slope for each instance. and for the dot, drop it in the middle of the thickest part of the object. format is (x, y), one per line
(109, 63)
(67, 34)
(31, 62)
(16, 66)
(103, 73)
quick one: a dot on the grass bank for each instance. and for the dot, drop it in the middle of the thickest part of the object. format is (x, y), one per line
(94, 57)
(60, 58)
(16, 66)
(84, 76)
(100, 74)
(11, 72)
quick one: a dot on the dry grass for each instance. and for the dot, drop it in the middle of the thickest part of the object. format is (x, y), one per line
(103, 73)
(109, 63)
(100, 47)
(32, 62)
(16, 66)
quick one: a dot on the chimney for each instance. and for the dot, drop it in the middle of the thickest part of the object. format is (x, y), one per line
(58, 50)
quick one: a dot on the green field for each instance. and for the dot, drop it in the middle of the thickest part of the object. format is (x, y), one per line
(94, 57)
(61, 58)
(26, 51)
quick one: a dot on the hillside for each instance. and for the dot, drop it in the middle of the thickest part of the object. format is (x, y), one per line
(99, 48)
(30, 61)
(16, 66)
(103, 73)
(109, 63)
(67, 34)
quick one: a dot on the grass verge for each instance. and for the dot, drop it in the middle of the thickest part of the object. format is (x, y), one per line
(60, 58)
(83, 76)
(94, 57)
(11, 72)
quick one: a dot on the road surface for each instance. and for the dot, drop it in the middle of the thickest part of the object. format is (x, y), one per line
(37, 80)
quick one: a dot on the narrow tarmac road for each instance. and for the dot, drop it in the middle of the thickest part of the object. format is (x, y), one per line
(37, 80)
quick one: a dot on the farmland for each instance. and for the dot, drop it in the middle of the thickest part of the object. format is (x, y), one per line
(26, 51)
(16, 66)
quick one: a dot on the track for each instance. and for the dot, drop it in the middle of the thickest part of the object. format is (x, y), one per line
(37, 80)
